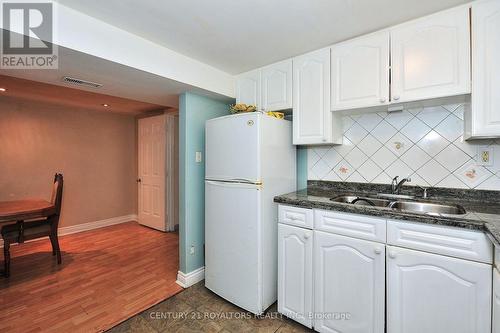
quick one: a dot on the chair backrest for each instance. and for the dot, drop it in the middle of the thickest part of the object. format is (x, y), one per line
(57, 192)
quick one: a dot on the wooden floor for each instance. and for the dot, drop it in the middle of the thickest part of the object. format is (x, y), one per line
(107, 275)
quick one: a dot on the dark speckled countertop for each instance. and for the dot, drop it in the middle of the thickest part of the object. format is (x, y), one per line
(482, 207)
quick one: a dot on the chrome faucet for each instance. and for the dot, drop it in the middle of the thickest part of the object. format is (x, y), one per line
(396, 186)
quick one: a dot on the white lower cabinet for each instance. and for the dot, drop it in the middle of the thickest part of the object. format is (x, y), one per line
(349, 284)
(496, 301)
(436, 294)
(295, 271)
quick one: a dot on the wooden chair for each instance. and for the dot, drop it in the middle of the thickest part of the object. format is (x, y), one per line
(27, 230)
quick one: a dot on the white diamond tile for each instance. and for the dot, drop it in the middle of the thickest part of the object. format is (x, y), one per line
(415, 157)
(322, 150)
(356, 157)
(345, 147)
(452, 181)
(432, 172)
(470, 148)
(343, 169)
(347, 123)
(433, 143)
(452, 158)
(311, 175)
(383, 114)
(312, 158)
(433, 115)
(399, 168)
(492, 183)
(321, 169)
(459, 112)
(451, 128)
(369, 121)
(495, 158)
(451, 107)
(399, 119)
(369, 170)
(399, 144)
(332, 177)
(384, 131)
(472, 174)
(356, 178)
(415, 111)
(417, 180)
(383, 178)
(415, 130)
(356, 133)
(369, 145)
(383, 157)
(332, 158)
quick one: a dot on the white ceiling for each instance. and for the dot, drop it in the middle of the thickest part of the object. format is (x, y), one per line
(238, 35)
(118, 80)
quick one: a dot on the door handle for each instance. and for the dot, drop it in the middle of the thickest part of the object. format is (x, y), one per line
(138, 180)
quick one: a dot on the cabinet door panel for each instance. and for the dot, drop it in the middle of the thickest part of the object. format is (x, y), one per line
(248, 88)
(277, 86)
(360, 72)
(431, 57)
(436, 294)
(496, 301)
(485, 69)
(349, 285)
(295, 273)
(312, 119)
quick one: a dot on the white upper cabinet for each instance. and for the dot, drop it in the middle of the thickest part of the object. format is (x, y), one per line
(277, 86)
(360, 72)
(312, 119)
(295, 271)
(483, 120)
(431, 56)
(496, 302)
(248, 88)
(349, 282)
(436, 294)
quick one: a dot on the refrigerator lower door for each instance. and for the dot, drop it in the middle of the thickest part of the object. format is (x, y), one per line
(233, 268)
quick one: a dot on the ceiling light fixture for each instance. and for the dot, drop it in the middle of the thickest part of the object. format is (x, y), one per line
(3, 90)
(105, 105)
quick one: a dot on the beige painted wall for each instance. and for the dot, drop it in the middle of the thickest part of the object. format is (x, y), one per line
(96, 152)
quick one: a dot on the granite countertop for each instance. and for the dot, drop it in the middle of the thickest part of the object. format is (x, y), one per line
(482, 207)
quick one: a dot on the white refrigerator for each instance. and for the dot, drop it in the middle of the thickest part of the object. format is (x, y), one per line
(250, 159)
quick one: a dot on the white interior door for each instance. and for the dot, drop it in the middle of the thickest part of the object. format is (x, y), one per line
(151, 178)
(233, 255)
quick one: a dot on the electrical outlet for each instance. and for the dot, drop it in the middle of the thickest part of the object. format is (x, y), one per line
(485, 156)
(198, 157)
(191, 250)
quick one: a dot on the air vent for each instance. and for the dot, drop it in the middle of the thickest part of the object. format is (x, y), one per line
(81, 82)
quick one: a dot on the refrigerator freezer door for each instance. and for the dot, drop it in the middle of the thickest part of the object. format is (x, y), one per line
(233, 266)
(233, 148)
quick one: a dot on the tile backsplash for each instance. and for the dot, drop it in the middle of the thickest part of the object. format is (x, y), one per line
(425, 144)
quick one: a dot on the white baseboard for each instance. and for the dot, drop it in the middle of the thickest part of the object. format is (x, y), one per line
(91, 225)
(186, 280)
(96, 224)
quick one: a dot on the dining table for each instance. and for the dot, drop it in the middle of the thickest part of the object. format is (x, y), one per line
(21, 210)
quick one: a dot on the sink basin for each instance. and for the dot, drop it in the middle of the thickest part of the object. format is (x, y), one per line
(410, 206)
(428, 208)
(362, 201)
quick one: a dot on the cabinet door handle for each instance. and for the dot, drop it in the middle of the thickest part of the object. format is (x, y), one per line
(392, 254)
(396, 97)
(324, 140)
(307, 235)
(378, 250)
(382, 100)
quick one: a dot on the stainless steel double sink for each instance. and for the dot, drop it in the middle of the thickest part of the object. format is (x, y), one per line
(413, 206)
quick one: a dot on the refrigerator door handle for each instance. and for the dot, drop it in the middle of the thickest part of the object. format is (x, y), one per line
(234, 184)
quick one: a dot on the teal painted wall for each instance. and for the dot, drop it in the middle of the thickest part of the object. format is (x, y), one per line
(301, 167)
(194, 110)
